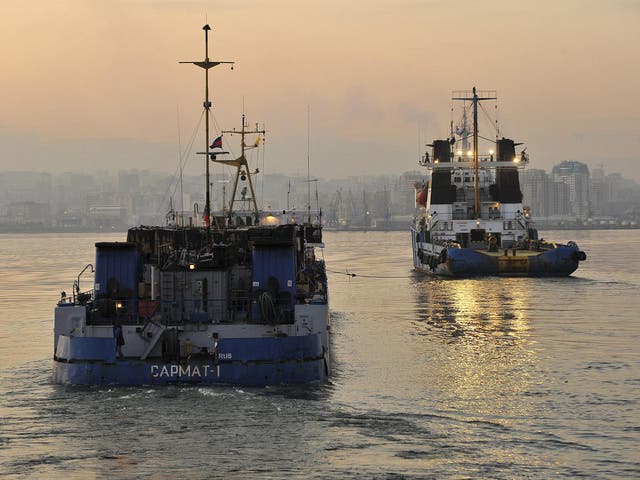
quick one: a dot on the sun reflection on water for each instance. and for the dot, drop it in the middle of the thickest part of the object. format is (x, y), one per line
(485, 326)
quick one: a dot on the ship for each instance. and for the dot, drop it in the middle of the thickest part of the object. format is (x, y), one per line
(470, 218)
(240, 299)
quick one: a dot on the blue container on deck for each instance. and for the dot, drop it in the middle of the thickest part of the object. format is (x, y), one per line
(117, 268)
(274, 271)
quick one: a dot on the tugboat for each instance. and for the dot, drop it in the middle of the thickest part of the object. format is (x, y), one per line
(241, 299)
(471, 220)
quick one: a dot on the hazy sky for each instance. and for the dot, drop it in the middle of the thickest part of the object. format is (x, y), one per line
(94, 84)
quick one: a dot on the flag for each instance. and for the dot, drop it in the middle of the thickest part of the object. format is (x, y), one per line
(205, 216)
(217, 143)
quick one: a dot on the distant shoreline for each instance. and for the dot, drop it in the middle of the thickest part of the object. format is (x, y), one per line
(31, 230)
(14, 230)
(539, 227)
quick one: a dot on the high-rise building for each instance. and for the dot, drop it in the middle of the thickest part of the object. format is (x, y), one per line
(576, 176)
(536, 188)
(559, 199)
(598, 192)
(25, 187)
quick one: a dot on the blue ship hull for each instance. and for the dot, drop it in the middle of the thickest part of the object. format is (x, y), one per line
(247, 361)
(465, 262)
(132, 372)
(556, 261)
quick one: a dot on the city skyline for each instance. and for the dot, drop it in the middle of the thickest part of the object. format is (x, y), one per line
(90, 85)
(569, 193)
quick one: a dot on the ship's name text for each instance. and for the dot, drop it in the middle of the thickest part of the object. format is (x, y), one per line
(158, 371)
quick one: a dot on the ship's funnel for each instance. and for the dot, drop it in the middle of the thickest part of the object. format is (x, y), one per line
(507, 186)
(505, 150)
(441, 151)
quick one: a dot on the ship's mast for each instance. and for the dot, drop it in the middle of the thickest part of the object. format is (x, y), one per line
(465, 132)
(206, 65)
(308, 171)
(476, 189)
(242, 166)
(475, 99)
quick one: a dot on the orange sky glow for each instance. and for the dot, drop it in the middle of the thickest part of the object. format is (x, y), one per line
(89, 84)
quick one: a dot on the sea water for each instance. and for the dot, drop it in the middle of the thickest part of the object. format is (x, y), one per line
(479, 378)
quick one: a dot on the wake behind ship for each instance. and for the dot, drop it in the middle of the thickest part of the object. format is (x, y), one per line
(471, 220)
(242, 299)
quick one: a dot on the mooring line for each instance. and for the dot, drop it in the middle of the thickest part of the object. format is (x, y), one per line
(349, 274)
